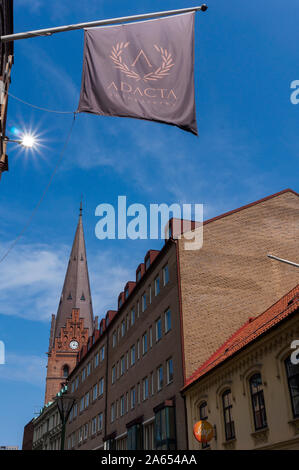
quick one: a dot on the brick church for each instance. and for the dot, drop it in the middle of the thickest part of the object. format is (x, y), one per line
(73, 323)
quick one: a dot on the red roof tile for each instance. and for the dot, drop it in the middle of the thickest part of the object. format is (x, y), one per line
(249, 332)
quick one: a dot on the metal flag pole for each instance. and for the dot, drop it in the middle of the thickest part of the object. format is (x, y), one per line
(91, 24)
(284, 260)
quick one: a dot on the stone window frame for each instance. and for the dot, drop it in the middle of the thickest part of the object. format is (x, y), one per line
(280, 357)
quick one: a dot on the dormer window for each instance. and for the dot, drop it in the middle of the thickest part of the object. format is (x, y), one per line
(138, 277)
(126, 293)
(120, 302)
(147, 262)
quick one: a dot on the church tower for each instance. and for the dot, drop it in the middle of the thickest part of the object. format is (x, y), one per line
(73, 324)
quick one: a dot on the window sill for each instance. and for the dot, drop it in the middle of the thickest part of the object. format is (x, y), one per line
(260, 436)
(295, 425)
(230, 444)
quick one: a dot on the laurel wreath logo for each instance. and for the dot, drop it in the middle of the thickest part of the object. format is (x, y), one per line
(158, 74)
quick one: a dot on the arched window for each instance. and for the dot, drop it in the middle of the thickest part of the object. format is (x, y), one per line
(292, 371)
(65, 371)
(258, 402)
(203, 410)
(229, 424)
(203, 415)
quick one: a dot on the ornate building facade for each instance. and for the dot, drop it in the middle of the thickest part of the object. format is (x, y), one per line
(248, 390)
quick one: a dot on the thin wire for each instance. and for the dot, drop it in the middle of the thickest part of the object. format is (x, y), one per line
(39, 107)
(27, 224)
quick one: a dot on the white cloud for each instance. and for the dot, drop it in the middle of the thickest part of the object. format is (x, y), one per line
(108, 277)
(33, 5)
(21, 368)
(32, 278)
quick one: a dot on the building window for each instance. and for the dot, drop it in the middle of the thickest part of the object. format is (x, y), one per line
(143, 301)
(123, 328)
(203, 415)
(87, 400)
(165, 432)
(80, 437)
(101, 386)
(258, 402)
(150, 337)
(158, 329)
(160, 378)
(83, 374)
(133, 397)
(112, 412)
(138, 277)
(95, 391)
(169, 367)
(138, 309)
(88, 369)
(86, 431)
(113, 374)
(100, 421)
(165, 275)
(82, 404)
(292, 371)
(96, 360)
(133, 355)
(65, 371)
(157, 286)
(144, 343)
(126, 293)
(132, 316)
(167, 321)
(75, 410)
(94, 425)
(135, 437)
(147, 262)
(77, 383)
(150, 294)
(152, 384)
(138, 392)
(128, 322)
(120, 302)
(114, 339)
(229, 424)
(122, 405)
(145, 388)
(122, 365)
(138, 349)
(102, 353)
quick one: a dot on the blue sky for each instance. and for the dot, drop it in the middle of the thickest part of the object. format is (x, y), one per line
(246, 57)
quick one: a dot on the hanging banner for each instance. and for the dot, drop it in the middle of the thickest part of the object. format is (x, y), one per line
(141, 70)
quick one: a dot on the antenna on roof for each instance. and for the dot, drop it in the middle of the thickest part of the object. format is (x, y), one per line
(284, 260)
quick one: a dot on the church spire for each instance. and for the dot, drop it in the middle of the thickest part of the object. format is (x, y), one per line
(76, 288)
